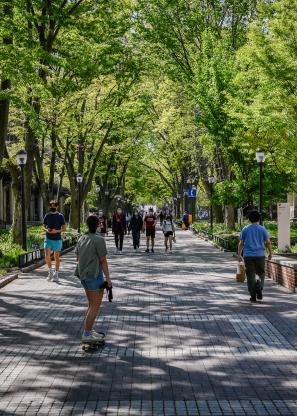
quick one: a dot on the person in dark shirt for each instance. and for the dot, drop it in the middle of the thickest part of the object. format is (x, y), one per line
(161, 217)
(149, 225)
(119, 228)
(253, 241)
(135, 226)
(54, 224)
(186, 220)
(103, 224)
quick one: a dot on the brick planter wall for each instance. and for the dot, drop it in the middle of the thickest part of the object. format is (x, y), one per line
(283, 272)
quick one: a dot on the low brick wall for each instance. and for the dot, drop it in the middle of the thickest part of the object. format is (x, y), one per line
(283, 271)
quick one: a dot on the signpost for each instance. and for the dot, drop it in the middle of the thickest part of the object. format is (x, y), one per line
(192, 193)
(283, 226)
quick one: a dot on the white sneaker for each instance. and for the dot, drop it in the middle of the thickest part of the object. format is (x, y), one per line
(120, 252)
(50, 275)
(92, 339)
(56, 277)
(99, 336)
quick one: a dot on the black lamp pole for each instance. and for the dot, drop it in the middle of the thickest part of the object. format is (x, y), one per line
(211, 182)
(21, 158)
(79, 179)
(24, 225)
(261, 192)
(78, 207)
(260, 157)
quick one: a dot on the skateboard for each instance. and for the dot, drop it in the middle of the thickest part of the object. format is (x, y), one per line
(91, 346)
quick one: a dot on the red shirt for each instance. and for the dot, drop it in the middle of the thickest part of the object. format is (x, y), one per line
(150, 222)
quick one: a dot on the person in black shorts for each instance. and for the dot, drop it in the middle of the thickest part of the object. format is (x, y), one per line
(169, 233)
(54, 225)
(149, 225)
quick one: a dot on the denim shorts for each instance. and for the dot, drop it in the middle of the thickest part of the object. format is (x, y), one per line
(53, 245)
(93, 283)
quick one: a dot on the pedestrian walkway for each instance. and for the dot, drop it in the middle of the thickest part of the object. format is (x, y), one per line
(182, 339)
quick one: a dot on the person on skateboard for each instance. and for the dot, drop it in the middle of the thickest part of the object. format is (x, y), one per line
(91, 264)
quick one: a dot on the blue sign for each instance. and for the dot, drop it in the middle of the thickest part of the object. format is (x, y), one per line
(192, 192)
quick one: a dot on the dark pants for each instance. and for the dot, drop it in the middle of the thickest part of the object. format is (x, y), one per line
(253, 266)
(136, 238)
(118, 237)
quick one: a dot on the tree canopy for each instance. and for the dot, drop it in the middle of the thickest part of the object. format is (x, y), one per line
(144, 98)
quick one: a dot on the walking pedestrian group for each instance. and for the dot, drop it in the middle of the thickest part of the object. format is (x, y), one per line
(92, 266)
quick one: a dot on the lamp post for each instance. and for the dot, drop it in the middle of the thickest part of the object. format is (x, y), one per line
(98, 188)
(211, 182)
(79, 179)
(106, 193)
(260, 157)
(21, 157)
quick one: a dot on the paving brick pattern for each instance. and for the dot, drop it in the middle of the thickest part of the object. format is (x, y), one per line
(182, 339)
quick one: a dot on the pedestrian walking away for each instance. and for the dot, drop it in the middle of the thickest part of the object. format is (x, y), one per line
(186, 220)
(169, 232)
(135, 225)
(54, 225)
(149, 225)
(128, 219)
(91, 265)
(103, 224)
(253, 240)
(161, 217)
(119, 228)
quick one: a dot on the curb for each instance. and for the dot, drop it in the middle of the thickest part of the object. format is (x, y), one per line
(40, 263)
(7, 279)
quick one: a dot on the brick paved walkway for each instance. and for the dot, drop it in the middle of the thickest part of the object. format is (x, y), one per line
(182, 339)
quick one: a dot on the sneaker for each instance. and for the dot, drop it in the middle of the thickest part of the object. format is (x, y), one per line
(147, 250)
(152, 250)
(166, 250)
(99, 335)
(56, 277)
(92, 339)
(170, 251)
(120, 252)
(253, 298)
(50, 275)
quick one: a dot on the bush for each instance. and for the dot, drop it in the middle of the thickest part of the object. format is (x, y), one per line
(9, 251)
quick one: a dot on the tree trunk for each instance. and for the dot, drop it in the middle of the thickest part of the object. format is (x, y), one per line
(73, 221)
(16, 229)
(229, 217)
(218, 214)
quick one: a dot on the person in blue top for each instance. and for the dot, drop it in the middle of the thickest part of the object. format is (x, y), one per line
(254, 238)
(54, 224)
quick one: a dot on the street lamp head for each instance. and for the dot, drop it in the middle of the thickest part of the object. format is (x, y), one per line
(106, 193)
(260, 156)
(211, 179)
(79, 178)
(21, 157)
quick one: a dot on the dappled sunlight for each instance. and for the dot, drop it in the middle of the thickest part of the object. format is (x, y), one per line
(178, 325)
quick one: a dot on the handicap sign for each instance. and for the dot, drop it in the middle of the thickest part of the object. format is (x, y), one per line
(192, 192)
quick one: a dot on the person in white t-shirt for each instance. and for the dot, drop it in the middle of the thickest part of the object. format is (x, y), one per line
(169, 233)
